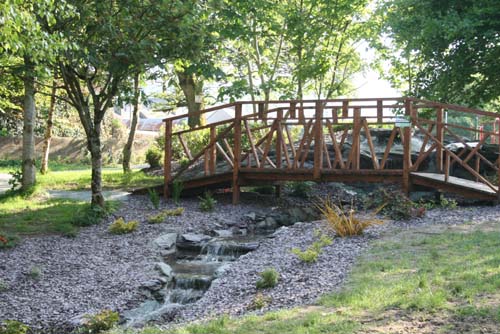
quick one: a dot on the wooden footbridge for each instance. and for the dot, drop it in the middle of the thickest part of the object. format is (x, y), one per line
(339, 141)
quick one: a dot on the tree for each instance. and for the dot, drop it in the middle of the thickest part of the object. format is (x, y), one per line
(47, 138)
(446, 50)
(127, 149)
(113, 39)
(24, 40)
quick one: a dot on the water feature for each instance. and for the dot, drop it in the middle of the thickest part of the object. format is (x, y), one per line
(194, 266)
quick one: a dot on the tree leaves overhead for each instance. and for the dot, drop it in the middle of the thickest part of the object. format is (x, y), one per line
(449, 49)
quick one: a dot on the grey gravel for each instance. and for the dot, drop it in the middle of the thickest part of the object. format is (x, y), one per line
(97, 270)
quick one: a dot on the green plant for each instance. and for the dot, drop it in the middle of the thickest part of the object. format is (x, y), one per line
(312, 253)
(3, 286)
(177, 187)
(300, 189)
(154, 157)
(259, 301)
(15, 180)
(395, 204)
(154, 198)
(207, 202)
(160, 217)
(103, 321)
(119, 226)
(13, 327)
(8, 240)
(344, 224)
(268, 279)
(35, 273)
(264, 190)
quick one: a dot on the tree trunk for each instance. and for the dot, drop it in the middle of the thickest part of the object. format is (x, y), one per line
(48, 131)
(94, 146)
(191, 88)
(127, 150)
(29, 118)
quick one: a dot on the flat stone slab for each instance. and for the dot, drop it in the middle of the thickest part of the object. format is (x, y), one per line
(166, 241)
(195, 238)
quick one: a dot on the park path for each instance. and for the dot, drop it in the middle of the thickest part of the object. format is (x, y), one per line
(4, 183)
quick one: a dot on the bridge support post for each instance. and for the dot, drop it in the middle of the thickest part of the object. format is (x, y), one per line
(318, 141)
(407, 150)
(236, 153)
(167, 163)
(439, 137)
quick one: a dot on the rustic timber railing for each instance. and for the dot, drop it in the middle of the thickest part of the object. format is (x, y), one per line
(336, 140)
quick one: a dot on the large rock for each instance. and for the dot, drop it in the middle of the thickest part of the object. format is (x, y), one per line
(195, 238)
(166, 241)
(165, 270)
(193, 242)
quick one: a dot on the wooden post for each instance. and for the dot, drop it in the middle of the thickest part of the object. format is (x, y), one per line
(292, 110)
(380, 112)
(407, 151)
(446, 167)
(237, 153)
(318, 141)
(356, 140)
(213, 151)
(345, 108)
(279, 138)
(167, 164)
(439, 137)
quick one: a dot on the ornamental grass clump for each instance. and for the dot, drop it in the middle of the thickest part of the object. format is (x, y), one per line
(268, 279)
(345, 224)
(162, 216)
(119, 226)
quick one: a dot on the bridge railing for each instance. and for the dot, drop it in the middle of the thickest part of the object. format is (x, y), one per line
(283, 135)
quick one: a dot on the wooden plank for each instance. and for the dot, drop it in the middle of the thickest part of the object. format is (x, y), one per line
(439, 138)
(301, 144)
(292, 110)
(212, 151)
(467, 184)
(252, 145)
(345, 108)
(307, 146)
(390, 142)
(287, 155)
(167, 163)
(290, 141)
(228, 148)
(279, 138)
(327, 155)
(267, 147)
(446, 167)
(423, 156)
(268, 160)
(380, 111)
(318, 141)
(371, 146)
(237, 153)
(457, 137)
(338, 152)
(225, 155)
(185, 147)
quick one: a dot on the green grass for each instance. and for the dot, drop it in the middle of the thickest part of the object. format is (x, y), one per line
(34, 215)
(450, 277)
(7, 166)
(112, 179)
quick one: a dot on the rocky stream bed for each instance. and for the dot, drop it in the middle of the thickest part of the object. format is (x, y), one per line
(193, 266)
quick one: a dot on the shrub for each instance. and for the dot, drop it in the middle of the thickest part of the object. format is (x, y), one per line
(35, 273)
(312, 253)
(264, 190)
(177, 187)
(8, 241)
(259, 301)
(3, 286)
(394, 203)
(154, 157)
(100, 322)
(207, 202)
(154, 198)
(344, 224)
(160, 217)
(13, 327)
(119, 226)
(93, 215)
(268, 279)
(15, 180)
(300, 189)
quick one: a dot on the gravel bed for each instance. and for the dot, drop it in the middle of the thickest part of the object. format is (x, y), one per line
(96, 270)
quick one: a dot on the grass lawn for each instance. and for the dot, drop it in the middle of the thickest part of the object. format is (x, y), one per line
(436, 280)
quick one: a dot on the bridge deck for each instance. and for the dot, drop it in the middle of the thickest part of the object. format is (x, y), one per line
(338, 141)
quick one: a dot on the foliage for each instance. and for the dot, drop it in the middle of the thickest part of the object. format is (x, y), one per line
(160, 217)
(343, 224)
(13, 327)
(259, 301)
(8, 240)
(92, 215)
(3, 286)
(35, 273)
(443, 202)
(119, 226)
(207, 202)
(177, 187)
(154, 197)
(394, 203)
(301, 189)
(268, 279)
(196, 140)
(15, 179)
(312, 253)
(264, 190)
(154, 157)
(449, 49)
(97, 323)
